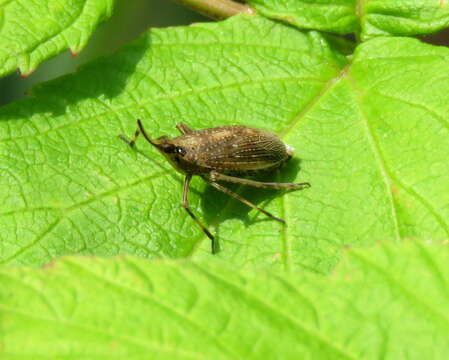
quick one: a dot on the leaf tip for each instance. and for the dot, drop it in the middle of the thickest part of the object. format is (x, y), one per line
(25, 74)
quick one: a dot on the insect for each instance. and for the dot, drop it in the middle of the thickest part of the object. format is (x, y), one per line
(221, 154)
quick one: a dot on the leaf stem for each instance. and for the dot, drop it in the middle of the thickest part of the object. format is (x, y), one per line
(217, 9)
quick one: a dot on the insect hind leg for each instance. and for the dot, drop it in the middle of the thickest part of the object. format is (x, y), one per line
(241, 199)
(214, 176)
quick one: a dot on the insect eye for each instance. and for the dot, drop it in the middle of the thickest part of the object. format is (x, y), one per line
(168, 148)
(179, 150)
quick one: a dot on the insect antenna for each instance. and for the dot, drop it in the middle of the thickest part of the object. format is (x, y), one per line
(140, 130)
(144, 133)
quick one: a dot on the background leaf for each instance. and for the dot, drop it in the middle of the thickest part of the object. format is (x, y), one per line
(403, 18)
(327, 15)
(376, 17)
(375, 305)
(34, 31)
(370, 136)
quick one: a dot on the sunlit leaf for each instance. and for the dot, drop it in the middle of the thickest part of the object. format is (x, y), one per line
(370, 136)
(389, 302)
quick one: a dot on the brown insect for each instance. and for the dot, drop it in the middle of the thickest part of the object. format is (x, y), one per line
(217, 153)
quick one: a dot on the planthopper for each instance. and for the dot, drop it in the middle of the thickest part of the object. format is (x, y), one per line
(222, 154)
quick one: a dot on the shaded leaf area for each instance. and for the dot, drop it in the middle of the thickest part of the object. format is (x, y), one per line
(370, 138)
(32, 31)
(337, 16)
(375, 305)
(373, 17)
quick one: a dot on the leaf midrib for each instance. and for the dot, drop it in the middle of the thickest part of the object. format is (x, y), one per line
(385, 172)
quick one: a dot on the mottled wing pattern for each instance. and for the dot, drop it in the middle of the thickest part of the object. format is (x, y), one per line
(239, 148)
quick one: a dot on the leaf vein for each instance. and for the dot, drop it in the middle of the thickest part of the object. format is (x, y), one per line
(132, 341)
(165, 98)
(266, 307)
(166, 308)
(397, 285)
(377, 153)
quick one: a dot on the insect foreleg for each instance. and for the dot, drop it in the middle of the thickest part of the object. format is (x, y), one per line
(185, 205)
(134, 138)
(271, 185)
(131, 142)
(239, 198)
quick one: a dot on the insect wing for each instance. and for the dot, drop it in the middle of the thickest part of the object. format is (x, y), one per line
(239, 148)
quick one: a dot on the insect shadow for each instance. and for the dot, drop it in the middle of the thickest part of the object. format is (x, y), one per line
(218, 207)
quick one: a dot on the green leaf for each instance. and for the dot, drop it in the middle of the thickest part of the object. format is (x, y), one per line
(34, 31)
(327, 15)
(403, 18)
(389, 302)
(376, 17)
(371, 138)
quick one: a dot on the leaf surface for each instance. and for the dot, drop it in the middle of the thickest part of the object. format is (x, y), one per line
(375, 305)
(337, 16)
(403, 18)
(370, 135)
(372, 18)
(34, 31)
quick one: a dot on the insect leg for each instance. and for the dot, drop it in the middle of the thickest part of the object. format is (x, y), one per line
(239, 198)
(183, 128)
(133, 139)
(140, 130)
(272, 185)
(185, 205)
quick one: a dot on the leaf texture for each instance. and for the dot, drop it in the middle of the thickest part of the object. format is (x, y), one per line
(403, 18)
(32, 31)
(376, 304)
(368, 19)
(337, 16)
(370, 136)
